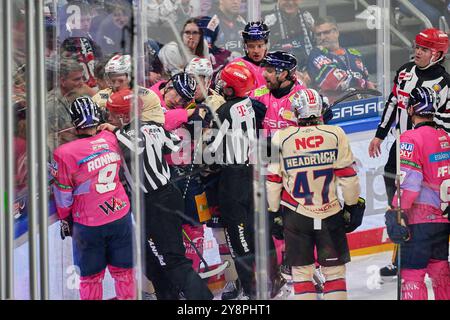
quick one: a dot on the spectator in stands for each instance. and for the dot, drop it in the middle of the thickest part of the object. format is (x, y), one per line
(114, 33)
(80, 46)
(161, 13)
(334, 69)
(99, 10)
(432, 9)
(153, 66)
(71, 86)
(174, 58)
(231, 25)
(291, 30)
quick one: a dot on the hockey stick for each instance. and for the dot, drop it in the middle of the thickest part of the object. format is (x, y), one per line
(399, 212)
(207, 273)
(349, 94)
(288, 114)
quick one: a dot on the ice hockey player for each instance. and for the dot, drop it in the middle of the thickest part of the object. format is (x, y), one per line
(89, 195)
(166, 264)
(256, 46)
(313, 158)
(279, 73)
(424, 228)
(431, 45)
(118, 75)
(176, 95)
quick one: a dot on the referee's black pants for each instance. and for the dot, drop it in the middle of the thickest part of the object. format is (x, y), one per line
(166, 264)
(237, 214)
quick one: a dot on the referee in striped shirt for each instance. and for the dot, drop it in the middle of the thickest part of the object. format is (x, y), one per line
(426, 70)
(165, 262)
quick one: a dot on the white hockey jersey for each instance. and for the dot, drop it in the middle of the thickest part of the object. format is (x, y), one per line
(313, 161)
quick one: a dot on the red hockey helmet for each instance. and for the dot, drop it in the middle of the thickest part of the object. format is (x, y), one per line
(120, 102)
(237, 76)
(433, 39)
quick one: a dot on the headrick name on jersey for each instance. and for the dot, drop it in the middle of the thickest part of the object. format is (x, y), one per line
(311, 159)
(358, 109)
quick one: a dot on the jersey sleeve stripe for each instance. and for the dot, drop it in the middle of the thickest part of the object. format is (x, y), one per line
(345, 172)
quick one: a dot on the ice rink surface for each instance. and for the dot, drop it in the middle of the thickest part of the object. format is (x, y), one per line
(363, 280)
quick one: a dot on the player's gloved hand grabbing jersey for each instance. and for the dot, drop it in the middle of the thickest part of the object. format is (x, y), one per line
(397, 232)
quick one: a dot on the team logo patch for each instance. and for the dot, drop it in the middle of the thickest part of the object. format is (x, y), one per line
(321, 61)
(441, 156)
(406, 150)
(403, 98)
(437, 88)
(100, 146)
(445, 145)
(405, 76)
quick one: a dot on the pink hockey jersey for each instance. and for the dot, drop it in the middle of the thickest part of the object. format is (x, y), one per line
(425, 170)
(274, 118)
(174, 118)
(87, 184)
(257, 72)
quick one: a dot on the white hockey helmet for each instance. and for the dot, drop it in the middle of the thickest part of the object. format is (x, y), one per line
(307, 103)
(119, 64)
(200, 67)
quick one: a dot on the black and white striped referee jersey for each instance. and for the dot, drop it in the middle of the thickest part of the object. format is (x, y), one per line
(153, 144)
(408, 77)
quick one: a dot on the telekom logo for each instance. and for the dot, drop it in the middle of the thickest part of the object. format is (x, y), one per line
(242, 111)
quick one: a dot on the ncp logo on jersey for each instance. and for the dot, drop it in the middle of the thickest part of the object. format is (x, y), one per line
(372, 15)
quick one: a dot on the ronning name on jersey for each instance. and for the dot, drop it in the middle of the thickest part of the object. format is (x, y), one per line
(99, 162)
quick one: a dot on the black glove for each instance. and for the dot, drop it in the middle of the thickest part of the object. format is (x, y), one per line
(206, 121)
(353, 215)
(276, 224)
(66, 227)
(398, 232)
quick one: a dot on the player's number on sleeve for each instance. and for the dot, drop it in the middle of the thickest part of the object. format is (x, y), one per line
(302, 187)
(105, 182)
(445, 194)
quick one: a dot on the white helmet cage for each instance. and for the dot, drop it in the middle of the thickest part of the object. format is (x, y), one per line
(307, 103)
(119, 64)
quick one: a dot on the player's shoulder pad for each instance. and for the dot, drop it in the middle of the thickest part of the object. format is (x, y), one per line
(354, 52)
(143, 91)
(261, 91)
(407, 66)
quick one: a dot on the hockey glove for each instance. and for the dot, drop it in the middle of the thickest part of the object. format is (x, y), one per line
(353, 215)
(327, 112)
(276, 224)
(66, 228)
(397, 232)
(196, 117)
